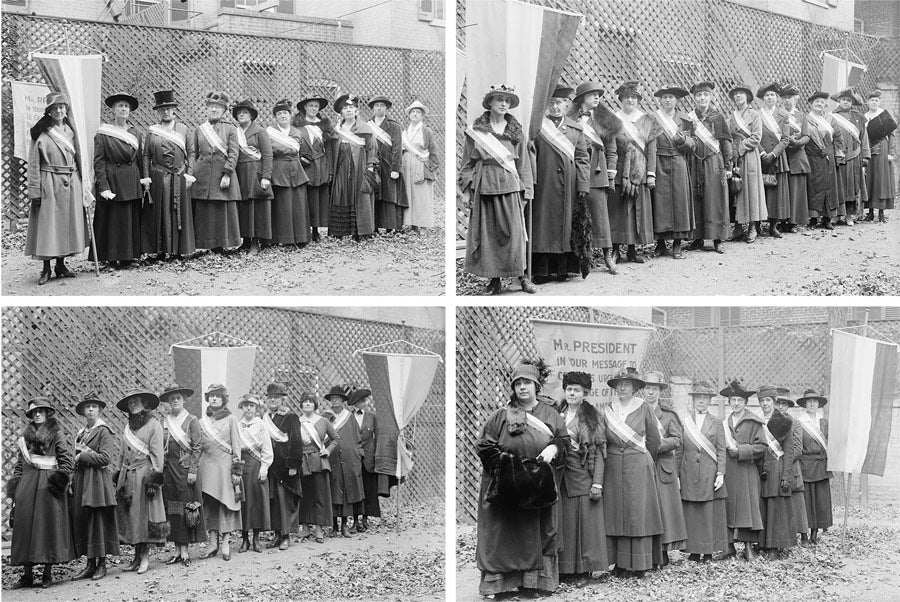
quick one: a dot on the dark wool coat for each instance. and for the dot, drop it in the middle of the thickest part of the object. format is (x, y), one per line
(142, 519)
(118, 166)
(94, 526)
(709, 184)
(672, 203)
(289, 454)
(698, 470)
(670, 444)
(209, 165)
(742, 474)
(178, 464)
(367, 439)
(796, 148)
(318, 154)
(822, 182)
(165, 228)
(352, 194)
(287, 170)
(778, 198)
(346, 465)
(390, 159)
(879, 176)
(777, 469)
(850, 170)
(814, 458)
(312, 461)
(249, 170)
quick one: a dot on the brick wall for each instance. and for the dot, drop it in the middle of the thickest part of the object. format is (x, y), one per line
(812, 11)
(880, 17)
(684, 316)
(393, 24)
(292, 26)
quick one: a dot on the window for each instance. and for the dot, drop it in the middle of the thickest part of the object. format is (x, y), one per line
(875, 313)
(134, 7)
(658, 316)
(433, 11)
(729, 316)
(22, 3)
(284, 7)
(181, 11)
(705, 317)
(702, 317)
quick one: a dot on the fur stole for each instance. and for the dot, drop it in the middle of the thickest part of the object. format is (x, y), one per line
(136, 421)
(605, 122)
(38, 440)
(580, 237)
(515, 417)
(217, 413)
(513, 131)
(324, 124)
(590, 432)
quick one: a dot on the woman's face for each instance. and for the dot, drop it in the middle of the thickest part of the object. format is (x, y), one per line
(337, 403)
(176, 402)
(667, 101)
(166, 114)
(781, 407)
(845, 103)
(557, 107)
(39, 416)
(58, 112)
(740, 99)
(500, 103)
(629, 103)
(214, 112)
(283, 118)
(812, 405)
(379, 109)
(416, 115)
(525, 389)
(701, 402)
(625, 388)
(789, 103)
(590, 100)
(818, 105)
(703, 98)
(737, 403)
(274, 402)
(770, 98)
(575, 394)
(651, 393)
(91, 412)
(248, 410)
(311, 108)
(244, 117)
(874, 103)
(121, 109)
(215, 400)
(767, 404)
(349, 112)
(308, 407)
(135, 405)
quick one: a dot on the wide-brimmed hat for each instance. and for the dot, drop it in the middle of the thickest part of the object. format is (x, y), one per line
(91, 397)
(55, 98)
(771, 391)
(703, 87)
(249, 398)
(301, 106)
(773, 87)
(655, 378)
(151, 401)
(736, 389)
(282, 105)
(812, 394)
(358, 396)
(338, 391)
(217, 97)
(587, 88)
(785, 400)
(345, 99)
(380, 98)
(245, 104)
(562, 92)
(874, 94)
(676, 91)
(217, 388)
(817, 95)
(39, 403)
(741, 88)
(628, 373)
(702, 387)
(497, 90)
(855, 98)
(173, 388)
(789, 90)
(276, 390)
(416, 104)
(131, 100)
(164, 98)
(577, 378)
(629, 88)
(526, 371)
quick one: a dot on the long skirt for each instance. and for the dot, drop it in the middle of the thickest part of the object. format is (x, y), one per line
(852, 186)
(583, 530)
(255, 507)
(601, 236)
(880, 179)
(141, 519)
(284, 508)
(634, 553)
(778, 521)
(94, 529)
(117, 230)
(707, 531)
(388, 215)
(420, 197)
(674, 527)
(176, 493)
(545, 578)
(630, 221)
(319, 201)
(58, 228)
(290, 216)
(219, 517)
(255, 217)
(742, 504)
(778, 198)
(40, 525)
(315, 505)
(818, 504)
(495, 245)
(798, 511)
(799, 200)
(216, 224)
(347, 509)
(750, 202)
(371, 504)
(166, 228)
(711, 213)
(822, 187)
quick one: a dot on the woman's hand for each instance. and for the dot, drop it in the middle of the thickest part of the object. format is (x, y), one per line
(225, 183)
(264, 184)
(108, 195)
(191, 478)
(596, 492)
(263, 476)
(651, 181)
(548, 453)
(235, 479)
(732, 451)
(324, 453)
(145, 182)
(720, 480)
(292, 472)
(189, 179)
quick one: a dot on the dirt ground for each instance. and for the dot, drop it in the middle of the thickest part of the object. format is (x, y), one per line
(377, 565)
(864, 569)
(863, 259)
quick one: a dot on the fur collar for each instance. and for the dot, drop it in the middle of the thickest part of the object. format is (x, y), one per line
(38, 439)
(324, 123)
(605, 122)
(137, 421)
(217, 413)
(513, 131)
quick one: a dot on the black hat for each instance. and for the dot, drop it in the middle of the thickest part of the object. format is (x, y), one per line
(131, 100)
(282, 105)
(779, 425)
(577, 378)
(39, 403)
(771, 391)
(358, 396)
(817, 95)
(245, 104)
(628, 373)
(735, 389)
(217, 97)
(855, 98)
(249, 398)
(173, 388)
(789, 90)
(343, 100)
(151, 401)
(874, 94)
(741, 88)
(812, 394)
(629, 88)
(672, 89)
(218, 389)
(773, 87)
(703, 86)
(562, 92)
(337, 390)
(302, 104)
(586, 88)
(276, 390)
(91, 397)
(786, 401)
(164, 98)
(380, 98)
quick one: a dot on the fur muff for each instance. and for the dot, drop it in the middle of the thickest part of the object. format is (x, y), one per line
(513, 131)
(40, 439)
(580, 238)
(11, 486)
(158, 530)
(237, 468)
(538, 489)
(489, 456)
(324, 124)
(502, 488)
(780, 426)
(57, 483)
(153, 482)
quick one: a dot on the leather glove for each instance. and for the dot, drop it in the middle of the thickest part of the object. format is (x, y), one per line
(108, 195)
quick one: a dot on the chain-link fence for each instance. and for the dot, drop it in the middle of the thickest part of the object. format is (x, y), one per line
(262, 69)
(65, 352)
(683, 42)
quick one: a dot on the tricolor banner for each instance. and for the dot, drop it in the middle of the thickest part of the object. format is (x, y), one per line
(520, 45)
(863, 382)
(601, 350)
(839, 74)
(400, 383)
(198, 367)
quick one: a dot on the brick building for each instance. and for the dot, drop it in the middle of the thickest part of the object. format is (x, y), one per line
(703, 317)
(830, 13)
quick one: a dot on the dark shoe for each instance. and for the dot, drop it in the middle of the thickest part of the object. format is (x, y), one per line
(717, 247)
(365, 523)
(174, 559)
(493, 288)
(697, 245)
(814, 537)
(694, 557)
(245, 546)
(748, 553)
(285, 543)
(826, 224)
(870, 217)
(134, 563)
(731, 552)
(26, 580)
(676, 251)
(804, 540)
(256, 547)
(63, 272)
(660, 250)
(882, 219)
(610, 261)
(100, 573)
(345, 531)
(87, 572)
(633, 256)
(211, 554)
(751, 235)
(359, 527)
(526, 285)
(47, 578)
(45, 276)
(773, 230)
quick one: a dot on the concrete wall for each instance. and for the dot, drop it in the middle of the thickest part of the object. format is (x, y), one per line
(394, 24)
(879, 17)
(819, 12)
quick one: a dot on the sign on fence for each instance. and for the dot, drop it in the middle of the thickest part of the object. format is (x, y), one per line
(28, 106)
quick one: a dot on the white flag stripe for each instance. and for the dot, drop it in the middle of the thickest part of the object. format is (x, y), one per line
(213, 369)
(850, 416)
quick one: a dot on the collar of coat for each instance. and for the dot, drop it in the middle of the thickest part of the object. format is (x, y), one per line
(513, 131)
(38, 438)
(748, 415)
(323, 124)
(605, 122)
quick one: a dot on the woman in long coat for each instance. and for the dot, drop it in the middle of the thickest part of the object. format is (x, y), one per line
(773, 158)
(496, 174)
(346, 464)
(814, 464)
(290, 207)
(518, 546)
(316, 154)
(254, 174)
(390, 200)
(320, 440)
(94, 525)
(852, 127)
(256, 453)
(633, 514)
(355, 180)
(141, 511)
(118, 173)
(629, 202)
(285, 485)
(880, 127)
(798, 494)
(182, 441)
(221, 469)
(419, 166)
(745, 445)
(57, 225)
(702, 477)
(779, 467)
(582, 528)
(746, 131)
(40, 514)
(797, 160)
(824, 149)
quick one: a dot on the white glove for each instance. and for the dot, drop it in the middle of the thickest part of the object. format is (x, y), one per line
(189, 179)
(720, 480)
(146, 181)
(395, 175)
(548, 453)
(264, 184)
(108, 195)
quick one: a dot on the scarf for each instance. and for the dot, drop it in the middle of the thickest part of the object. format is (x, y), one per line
(39, 438)
(217, 414)
(589, 433)
(136, 421)
(513, 131)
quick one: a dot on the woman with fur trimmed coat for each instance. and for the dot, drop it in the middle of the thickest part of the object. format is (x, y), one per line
(582, 524)
(40, 512)
(496, 173)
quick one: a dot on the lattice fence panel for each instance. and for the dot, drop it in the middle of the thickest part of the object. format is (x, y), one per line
(682, 42)
(143, 59)
(68, 351)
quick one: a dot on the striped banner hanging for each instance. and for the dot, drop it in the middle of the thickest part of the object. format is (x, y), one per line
(198, 367)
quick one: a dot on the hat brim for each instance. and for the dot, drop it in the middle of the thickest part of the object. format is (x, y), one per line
(372, 102)
(79, 409)
(710, 393)
(165, 105)
(221, 392)
(579, 95)
(676, 92)
(747, 91)
(133, 103)
(614, 382)
(185, 392)
(253, 112)
(151, 401)
(31, 411)
(250, 401)
(301, 106)
(660, 385)
(730, 393)
(486, 101)
(412, 108)
(802, 401)
(362, 394)
(330, 395)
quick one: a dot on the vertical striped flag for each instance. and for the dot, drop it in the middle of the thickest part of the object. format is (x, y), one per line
(400, 383)
(863, 381)
(520, 45)
(198, 367)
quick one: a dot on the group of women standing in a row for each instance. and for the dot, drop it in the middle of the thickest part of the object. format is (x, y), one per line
(635, 480)
(170, 190)
(185, 479)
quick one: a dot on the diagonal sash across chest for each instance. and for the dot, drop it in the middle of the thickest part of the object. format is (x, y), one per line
(249, 442)
(729, 435)
(846, 125)
(793, 122)
(135, 443)
(173, 136)
(250, 151)
(703, 132)
(39, 462)
(314, 132)
(668, 124)
(820, 124)
(212, 136)
(697, 437)
(491, 146)
(312, 434)
(341, 420)
(771, 124)
(409, 146)
(382, 136)
(537, 424)
(275, 433)
(176, 430)
(741, 123)
(560, 143)
(119, 134)
(631, 129)
(213, 434)
(773, 444)
(284, 140)
(813, 431)
(590, 132)
(61, 140)
(350, 138)
(625, 432)
(572, 428)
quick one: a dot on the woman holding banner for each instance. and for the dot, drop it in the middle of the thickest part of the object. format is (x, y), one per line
(355, 181)
(496, 174)
(315, 470)
(814, 464)
(420, 162)
(57, 226)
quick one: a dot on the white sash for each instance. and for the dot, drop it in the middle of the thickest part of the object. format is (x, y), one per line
(846, 125)
(570, 427)
(659, 427)
(39, 462)
(309, 427)
(118, 133)
(729, 437)
(350, 137)
(590, 132)
(812, 430)
(772, 443)
(206, 128)
(538, 424)
(632, 130)
(667, 123)
(697, 436)
(176, 431)
(769, 120)
(625, 432)
(250, 444)
(739, 120)
(283, 139)
(315, 132)
(250, 151)
(409, 146)
(210, 430)
(342, 420)
(173, 136)
(275, 433)
(557, 139)
(61, 140)
(491, 146)
(132, 440)
(703, 132)
(820, 123)
(380, 134)
(794, 123)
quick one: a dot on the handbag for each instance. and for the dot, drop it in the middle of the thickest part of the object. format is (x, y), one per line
(192, 514)
(769, 180)
(735, 185)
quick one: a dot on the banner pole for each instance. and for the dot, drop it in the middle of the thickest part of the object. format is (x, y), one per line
(530, 236)
(398, 505)
(845, 487)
